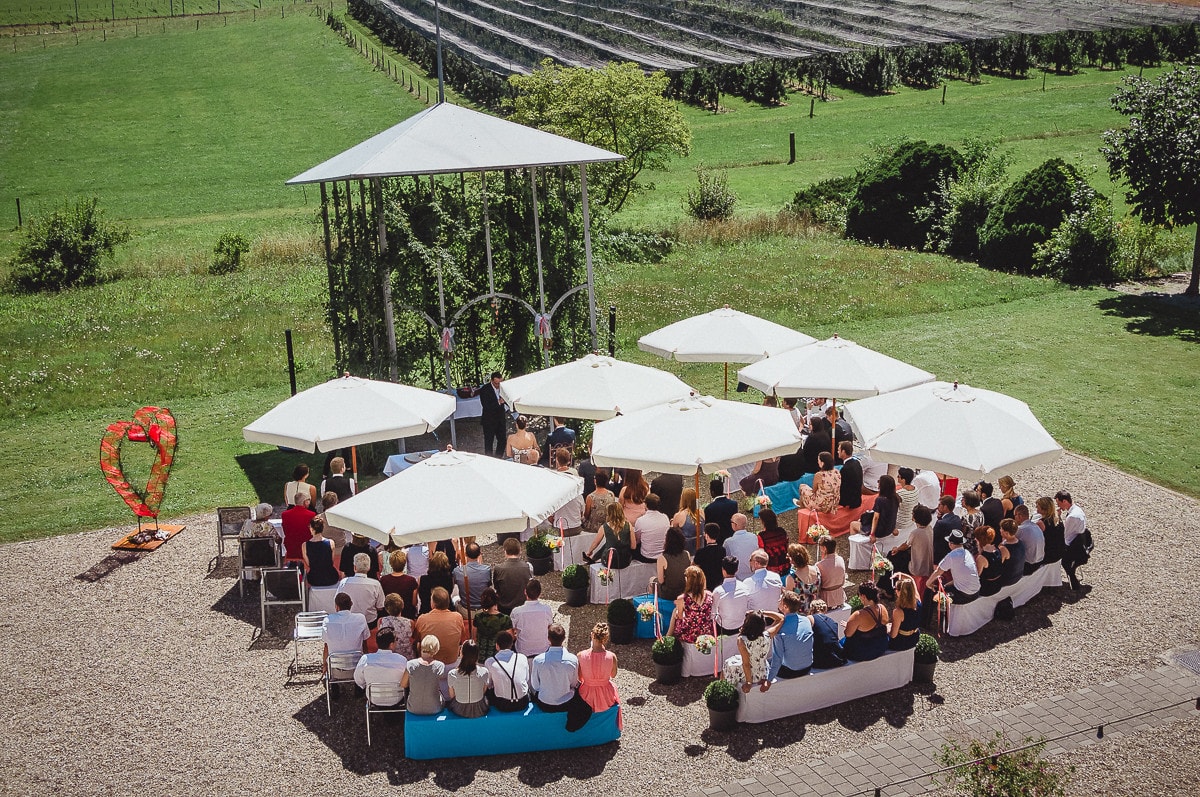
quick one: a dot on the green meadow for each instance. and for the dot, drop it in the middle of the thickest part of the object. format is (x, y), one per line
(186, 135)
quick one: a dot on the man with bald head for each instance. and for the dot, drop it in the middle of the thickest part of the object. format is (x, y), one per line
(741, 544)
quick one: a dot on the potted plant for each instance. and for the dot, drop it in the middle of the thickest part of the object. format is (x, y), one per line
(622, 621)
(537, 551)
(721, 697)
(854, 602)
(667, 653)
(925, 657)
(575, 584)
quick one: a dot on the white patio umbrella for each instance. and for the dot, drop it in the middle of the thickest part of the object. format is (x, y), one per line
(725, 336)
(953, 429)
(837, 368)
(594, 387)
(455, 494)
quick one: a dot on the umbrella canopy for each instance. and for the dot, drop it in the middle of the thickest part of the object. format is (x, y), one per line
(348, 412)
(693, 435)
(722, 336)
(837, 368)
(953, 429)
(594, 387)
(455, 494)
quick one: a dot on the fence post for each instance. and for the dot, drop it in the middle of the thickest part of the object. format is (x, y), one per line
(18, 211)
(943, 94)
(792, 147)
(812, 107)
(612, 330)
(287, 336)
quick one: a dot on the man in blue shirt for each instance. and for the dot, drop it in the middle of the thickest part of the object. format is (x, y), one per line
(792, 645)
(555, 673)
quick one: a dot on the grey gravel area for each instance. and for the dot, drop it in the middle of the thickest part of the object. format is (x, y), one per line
(151, 679)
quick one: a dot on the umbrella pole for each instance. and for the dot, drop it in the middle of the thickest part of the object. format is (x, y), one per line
(726, 380)
(833, 432)
(699, 532)
(461, 550)
(354, 463)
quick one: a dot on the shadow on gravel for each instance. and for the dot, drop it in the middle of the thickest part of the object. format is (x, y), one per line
(745, 740)
(1160, 315)
(684, 693)
(106, 566)
(1036, 614)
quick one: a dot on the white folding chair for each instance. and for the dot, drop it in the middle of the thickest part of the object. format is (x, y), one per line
(309, 627)
(383, 699)
(339, 669)
(229, 524)
(280, 587)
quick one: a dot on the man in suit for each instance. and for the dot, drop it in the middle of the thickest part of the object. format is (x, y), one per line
(559, 437)
(721, 510)
(852, 477)
(493, 417)
(947, 521)
(668, 487)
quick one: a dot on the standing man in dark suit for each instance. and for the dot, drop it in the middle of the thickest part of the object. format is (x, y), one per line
(494, 426)
(668, 487)
(560, 437)
(947, 521)
(852, 477)
(721, 510)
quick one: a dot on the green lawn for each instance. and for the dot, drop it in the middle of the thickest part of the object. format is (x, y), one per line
(35, 12)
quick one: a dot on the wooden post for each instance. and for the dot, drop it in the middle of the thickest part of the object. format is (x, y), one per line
(18, 211)
(943, 94)
(812, 107)
(792, 147)
(287, 337)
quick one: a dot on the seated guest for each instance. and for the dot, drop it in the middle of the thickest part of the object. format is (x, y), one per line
(872, 471)
(906, 617)
(561, 438)
(915, 555)
(763, 585)
(364, 590)
(595, 508)
(448, 626)
(651, 531)
(1053, 532)
(972, 518)
(423, 678)
(1010, 499)
(295, 529)
(1013, 565)
(508, 673)
(929, 489)
(401, 583)
(669, 489)
(774, 540)
(826, 491)
(597, 668)
(510, 576)
(741, 543)
(721, 510)
(765, 474)
(1030, 535)
(318, 557)
(842, 433)
(569, 516)
(750, 665)
(338, 482)
(474, 573)
(693, 613)
(991, 506)
(632, 496)
(439, 575)
(791, 640)
(791, 466)
(906, 495)
(555, 673)
(299, 485)
(689, 518)
(879, 526)
(400, 626)
(522, 446)
(468, 684)
(671, 565)
(709, 556)
(358, 545)
(615, 535)
(256, 525)
(867, 629)
(833, 573)
(958, 567)
(819, 441)
(827, 650)
(345, 631)
(797, 414)
(418, 559)
(489, 622)
(531, 621)
(946, 522)
(988, 561)
(802, 578)
(385, 666)
(731, 599)
(850, 493)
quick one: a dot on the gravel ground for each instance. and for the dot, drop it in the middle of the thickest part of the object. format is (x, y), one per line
(156, 682)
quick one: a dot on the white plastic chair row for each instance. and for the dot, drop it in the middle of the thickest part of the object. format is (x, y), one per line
(383, 698)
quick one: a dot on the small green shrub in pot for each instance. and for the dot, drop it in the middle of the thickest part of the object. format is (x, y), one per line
(622, 612)
(720, 695)
(855, 603)
(927, 648)
(666, 650)
(536, 547)
(575, 577)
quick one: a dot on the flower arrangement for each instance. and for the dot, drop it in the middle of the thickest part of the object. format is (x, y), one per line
(554, 544)
(706, 643)
(763, 501)
(815, 531)
(721, 474)
(646, 610)
(943, 599)
(880, 564)
(606, 576)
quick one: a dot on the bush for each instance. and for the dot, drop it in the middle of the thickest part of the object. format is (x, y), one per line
(1083, 249)
(621, 612)
(720, 695)
(1144, 250)
(633, 247)
(835, 189)
(537, 547)
(711, 199)
(575, 577)
(666, 650)
(65, 249)
(1021, 772)
(854, 602)
(1027, 214)
(961, 205)
(927, 648)
(227, 254)
(884, 207)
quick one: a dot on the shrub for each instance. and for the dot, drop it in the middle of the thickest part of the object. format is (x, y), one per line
(1144, 250)
(927, 648)
(884, 207)
(666, 650)
(720, 695)
(536, 547)
(854, 602)
(835, 189)
(961, 205)
(1026, 215)
(621, 612)
(711, 199)
(227, 254)
(574, 577)
(634, 247)
(981, 770)
(1084, 248)
(65, 249)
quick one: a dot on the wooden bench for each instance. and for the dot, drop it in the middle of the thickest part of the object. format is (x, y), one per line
(967, 618)
(447, 735)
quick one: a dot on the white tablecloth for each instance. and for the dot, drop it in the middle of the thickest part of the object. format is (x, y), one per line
(465, 408)
(399, 462)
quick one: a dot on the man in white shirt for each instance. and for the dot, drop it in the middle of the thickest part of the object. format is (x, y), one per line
(1032, 536)
(418, 560)
(959, 565)
(763, 585)
(531, 621)
(509, 676)
(929, 489)
(555, 673)
(651, 531)
(872, 470)
(1074, 525)
(384, 667)
(345, 632)
(364, 590)
(730, 599)
(741, 545)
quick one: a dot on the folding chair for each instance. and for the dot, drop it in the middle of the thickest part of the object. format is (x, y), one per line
(258, 554)
(339, 669)
(309, 627)
(229, 524)
(281, 587)
(383, 699)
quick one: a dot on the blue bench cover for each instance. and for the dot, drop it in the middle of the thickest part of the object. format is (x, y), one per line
(783, 493)
(645, 628)
(448, 735)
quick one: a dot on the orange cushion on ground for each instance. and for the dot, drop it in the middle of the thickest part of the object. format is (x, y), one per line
(838, 522)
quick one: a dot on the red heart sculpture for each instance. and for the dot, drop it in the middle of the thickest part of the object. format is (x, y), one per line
(156, 426)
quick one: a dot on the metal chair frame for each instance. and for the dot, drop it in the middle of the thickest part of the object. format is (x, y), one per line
(338, 661)
(230, 515)
(383, 691)
(264, 600)
(242, 543)
(309, 627)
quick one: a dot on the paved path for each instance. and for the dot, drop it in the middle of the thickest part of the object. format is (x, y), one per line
(863, 770)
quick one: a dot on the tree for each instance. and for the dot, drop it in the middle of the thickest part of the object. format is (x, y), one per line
(1158, 153)
(619, 108)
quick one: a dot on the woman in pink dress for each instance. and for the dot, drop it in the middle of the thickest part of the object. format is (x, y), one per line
(597, 668)
(833, 573)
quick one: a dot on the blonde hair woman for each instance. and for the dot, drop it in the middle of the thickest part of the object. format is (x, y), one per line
(906, 624)
(690, 518)
(597, 668)
(423, 679)
(617, 534)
